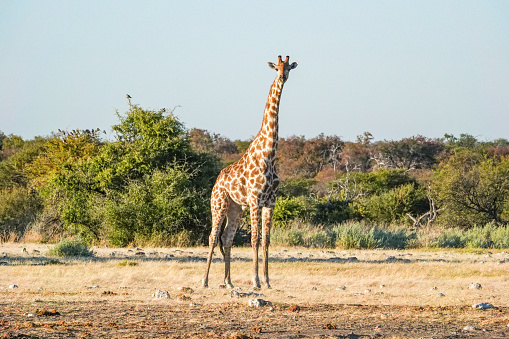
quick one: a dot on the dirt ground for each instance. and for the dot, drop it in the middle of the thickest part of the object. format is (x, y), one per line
(315, 294)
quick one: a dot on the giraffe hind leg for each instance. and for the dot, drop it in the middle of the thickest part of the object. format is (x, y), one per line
(219, 209)
(233, 217)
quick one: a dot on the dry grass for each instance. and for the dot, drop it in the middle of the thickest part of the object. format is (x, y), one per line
(297, 276)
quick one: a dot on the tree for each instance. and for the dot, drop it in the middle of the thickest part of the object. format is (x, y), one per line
(410, 153)
(473, 189)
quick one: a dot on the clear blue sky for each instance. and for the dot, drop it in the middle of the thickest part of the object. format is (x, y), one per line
(394, 68)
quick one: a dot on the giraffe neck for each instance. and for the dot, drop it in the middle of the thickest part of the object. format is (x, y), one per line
(267, 138)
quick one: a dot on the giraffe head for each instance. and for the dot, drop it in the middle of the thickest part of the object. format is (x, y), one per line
(283, 67)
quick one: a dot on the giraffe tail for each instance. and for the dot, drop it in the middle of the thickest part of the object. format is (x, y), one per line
(220, 241)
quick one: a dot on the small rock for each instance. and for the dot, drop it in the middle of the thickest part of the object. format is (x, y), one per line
(183, 298)
(186, 290)
(13, 286)
(161, 295)
(474, 286)
(257, 303)
(47, 313)
(236, 294)
(294, 308)
(483, 306)
(470, 328)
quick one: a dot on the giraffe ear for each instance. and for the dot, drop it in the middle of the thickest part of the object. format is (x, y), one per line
(271, 65)
(294, 65)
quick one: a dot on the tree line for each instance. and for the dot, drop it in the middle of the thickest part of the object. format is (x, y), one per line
(151, 182)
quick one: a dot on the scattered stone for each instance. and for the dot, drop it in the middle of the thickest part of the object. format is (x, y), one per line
(185, 290)
(46, 312)
(183, 297)
(13, 286)
(109, 293)
(257, 303)
(483, 306)
(294, 308)
(474, 286)
(341, 288)
(236, 294)
(161, 295)
(470, 328)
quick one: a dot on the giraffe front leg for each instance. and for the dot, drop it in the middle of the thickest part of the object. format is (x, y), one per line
(255, 244)
(266, 224)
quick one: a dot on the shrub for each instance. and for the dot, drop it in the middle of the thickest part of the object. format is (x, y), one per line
(355, 235)
(71, 247)
(18, 209)
(289, 209)
(450, 238)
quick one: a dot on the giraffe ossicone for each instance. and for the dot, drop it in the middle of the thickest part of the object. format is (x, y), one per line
(251, 181)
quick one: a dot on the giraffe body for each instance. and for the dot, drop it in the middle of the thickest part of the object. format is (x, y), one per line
(251, 181)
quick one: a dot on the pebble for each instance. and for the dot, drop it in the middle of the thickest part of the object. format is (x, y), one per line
(257, 303)
(161, 295)
(474, 286)
(235, 294)
(185, 289)
(470, 328)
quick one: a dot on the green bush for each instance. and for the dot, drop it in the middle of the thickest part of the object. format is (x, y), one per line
(392, 206)
(71, 248)
(360, 235)
(355, 235)
(453, 238)
(289, 209)
(19, 208)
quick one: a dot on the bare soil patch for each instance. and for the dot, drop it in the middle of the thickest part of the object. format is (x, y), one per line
(315, 294)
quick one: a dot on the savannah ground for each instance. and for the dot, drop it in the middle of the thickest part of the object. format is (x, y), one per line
(340, 294)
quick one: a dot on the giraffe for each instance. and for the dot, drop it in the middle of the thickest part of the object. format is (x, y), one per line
(251, 181)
